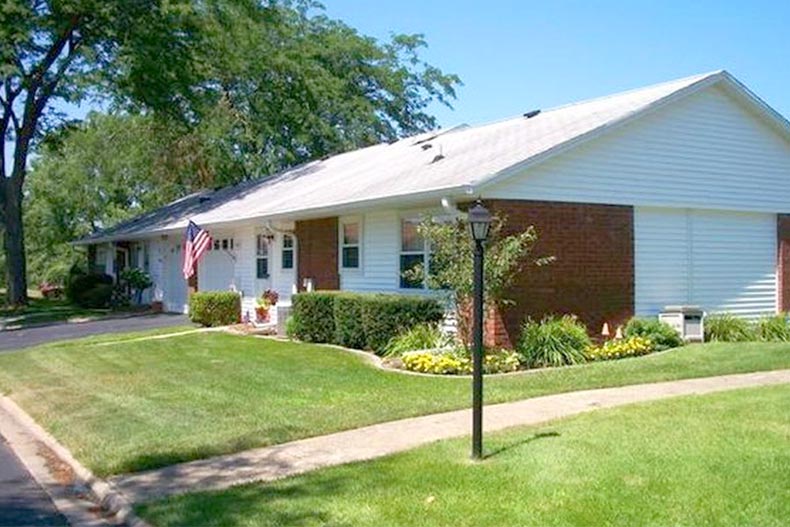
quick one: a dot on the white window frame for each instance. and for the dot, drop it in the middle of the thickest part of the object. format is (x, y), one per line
(342, 245)
(291, 249)
(425, 252)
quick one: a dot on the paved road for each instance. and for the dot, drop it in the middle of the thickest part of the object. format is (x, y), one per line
(24, 338)
(22, 502)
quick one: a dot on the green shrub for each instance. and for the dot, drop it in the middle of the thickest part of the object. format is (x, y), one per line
(384, 316)
(725, 327)
(774, 328)
(660, 334)
(215, 308)
(419, 337)
(349, 329)
(89, 290)
(290, 327)
(364, 321)
(97, 297)
(314, 317)
(553, 342)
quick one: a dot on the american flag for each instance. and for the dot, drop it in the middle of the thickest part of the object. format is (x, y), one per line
(196, 243)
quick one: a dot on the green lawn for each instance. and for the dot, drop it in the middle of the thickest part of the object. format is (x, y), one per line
(44, 311)
(719, 459)
(138, 405)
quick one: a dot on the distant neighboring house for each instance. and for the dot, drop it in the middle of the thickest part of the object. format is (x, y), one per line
(677, 193)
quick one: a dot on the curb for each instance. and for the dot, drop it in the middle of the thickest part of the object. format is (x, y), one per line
(110, 500)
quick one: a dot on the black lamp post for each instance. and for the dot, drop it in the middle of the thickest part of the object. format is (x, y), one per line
(479, 223)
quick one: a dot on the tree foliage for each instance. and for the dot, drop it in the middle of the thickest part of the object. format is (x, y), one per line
(451, 266)
(68, 50)
(236, 89)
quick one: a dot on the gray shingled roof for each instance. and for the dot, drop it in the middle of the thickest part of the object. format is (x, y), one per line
(459, 161)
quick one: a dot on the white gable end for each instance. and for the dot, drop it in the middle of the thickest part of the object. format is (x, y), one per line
(706, 151)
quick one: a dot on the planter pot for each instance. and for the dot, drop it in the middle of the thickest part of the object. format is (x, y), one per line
(157, 306)
(262, 314)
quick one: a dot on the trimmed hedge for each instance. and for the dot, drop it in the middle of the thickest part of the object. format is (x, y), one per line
(314, 317)
(384, 316)
(215, 308)
(362, 321)
(349, 326)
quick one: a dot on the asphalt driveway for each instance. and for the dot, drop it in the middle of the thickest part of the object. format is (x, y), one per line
(22, 501)
(25, 338)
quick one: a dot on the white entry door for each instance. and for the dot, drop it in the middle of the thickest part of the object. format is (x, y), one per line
(175, 289)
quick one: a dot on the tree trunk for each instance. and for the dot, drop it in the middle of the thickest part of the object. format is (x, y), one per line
(14, 245)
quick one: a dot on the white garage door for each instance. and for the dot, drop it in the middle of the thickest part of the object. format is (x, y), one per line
(721, 261)
(216, 270)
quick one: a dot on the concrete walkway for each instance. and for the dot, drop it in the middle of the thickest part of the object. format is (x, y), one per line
(279, 461)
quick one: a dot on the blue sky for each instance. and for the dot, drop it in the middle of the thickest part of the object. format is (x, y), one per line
(514, 56)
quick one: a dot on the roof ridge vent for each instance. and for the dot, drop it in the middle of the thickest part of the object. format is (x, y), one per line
(531, 114)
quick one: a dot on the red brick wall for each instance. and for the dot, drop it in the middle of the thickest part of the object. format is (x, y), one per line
(317, 252)
(592, 275)
(783, 229)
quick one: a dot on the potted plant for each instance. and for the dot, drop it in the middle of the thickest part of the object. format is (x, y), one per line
(265, 301)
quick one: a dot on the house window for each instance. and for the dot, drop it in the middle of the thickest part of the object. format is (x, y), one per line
(288, 251)
(225, 244)
(349, 244)
(262, 257)
(413, 254)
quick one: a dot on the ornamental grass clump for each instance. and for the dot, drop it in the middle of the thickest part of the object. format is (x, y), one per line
(419, 337)
(620, 348)
(660, 334)
(774, 328)
(725, 327)
(554, 341)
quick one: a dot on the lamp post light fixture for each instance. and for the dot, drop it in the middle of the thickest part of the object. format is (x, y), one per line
(479, 224)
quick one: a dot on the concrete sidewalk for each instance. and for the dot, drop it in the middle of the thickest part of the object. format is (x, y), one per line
(279, 461)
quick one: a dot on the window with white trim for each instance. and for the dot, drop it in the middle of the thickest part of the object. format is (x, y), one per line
(288, 252)
(262, 256)
(413, 253)
(349, 244)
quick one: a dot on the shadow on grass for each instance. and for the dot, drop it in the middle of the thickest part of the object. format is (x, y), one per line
(282, 504)
(521, 442)
(176, 456)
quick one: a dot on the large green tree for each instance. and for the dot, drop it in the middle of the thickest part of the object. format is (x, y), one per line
(135, 50)
(272, 84)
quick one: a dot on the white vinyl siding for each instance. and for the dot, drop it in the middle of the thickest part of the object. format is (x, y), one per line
(380, 246)
(721, 261)
(703, 152)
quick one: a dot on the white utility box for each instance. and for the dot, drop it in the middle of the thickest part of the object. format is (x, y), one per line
(688, 321)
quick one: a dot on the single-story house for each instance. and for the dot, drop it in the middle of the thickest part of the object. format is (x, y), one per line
(677, 193)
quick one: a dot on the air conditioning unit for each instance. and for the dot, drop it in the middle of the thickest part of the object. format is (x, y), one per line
(688, 321)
